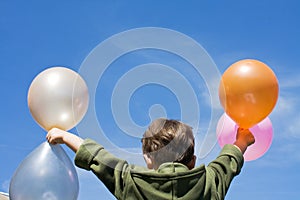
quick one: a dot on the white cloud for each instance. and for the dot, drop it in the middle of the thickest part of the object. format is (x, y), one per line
(290, 81)
(280, 155)
(5, 186)
(286, 116)
(286, 125)
(294, 127)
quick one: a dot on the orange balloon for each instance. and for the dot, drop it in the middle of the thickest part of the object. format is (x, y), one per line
(248, 92)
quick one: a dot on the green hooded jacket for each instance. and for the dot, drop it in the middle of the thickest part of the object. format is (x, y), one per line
(170, 181)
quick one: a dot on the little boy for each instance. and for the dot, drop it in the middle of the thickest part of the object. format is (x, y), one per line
(168, 148)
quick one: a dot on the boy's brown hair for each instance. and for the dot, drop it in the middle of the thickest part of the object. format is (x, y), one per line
(168, 141)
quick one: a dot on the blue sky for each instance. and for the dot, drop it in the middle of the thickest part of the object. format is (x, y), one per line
(36, 35)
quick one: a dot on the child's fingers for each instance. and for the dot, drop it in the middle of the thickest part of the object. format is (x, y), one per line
(50, 137)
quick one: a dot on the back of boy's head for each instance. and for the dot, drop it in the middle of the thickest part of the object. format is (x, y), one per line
(168, 141)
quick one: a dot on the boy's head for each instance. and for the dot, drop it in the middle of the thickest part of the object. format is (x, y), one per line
(168, 141)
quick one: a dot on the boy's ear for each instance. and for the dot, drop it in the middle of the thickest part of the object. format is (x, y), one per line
(192, 163)
(148, 161)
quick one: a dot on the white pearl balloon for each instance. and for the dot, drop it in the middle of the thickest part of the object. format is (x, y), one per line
(46, 173)
(58, 97)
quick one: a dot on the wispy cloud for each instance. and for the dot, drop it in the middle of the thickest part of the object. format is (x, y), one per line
(5, 186)
(289, 81)
(286, 116)
(286, 124)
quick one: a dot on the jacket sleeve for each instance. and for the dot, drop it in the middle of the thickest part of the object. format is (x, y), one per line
(109, 169)
(223, 169)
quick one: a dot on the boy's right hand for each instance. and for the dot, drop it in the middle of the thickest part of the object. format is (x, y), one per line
(244, 138)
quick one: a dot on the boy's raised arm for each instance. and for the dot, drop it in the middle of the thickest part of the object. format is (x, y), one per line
(244, 138)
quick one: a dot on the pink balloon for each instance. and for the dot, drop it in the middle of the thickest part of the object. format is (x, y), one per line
(263, 133)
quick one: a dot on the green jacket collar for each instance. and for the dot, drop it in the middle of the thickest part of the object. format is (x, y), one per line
(171, 167)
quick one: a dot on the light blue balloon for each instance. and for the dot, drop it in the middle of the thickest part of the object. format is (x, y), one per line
(47, 173)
